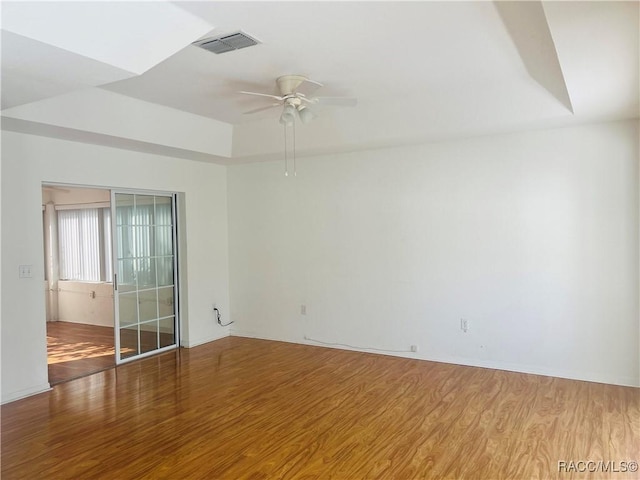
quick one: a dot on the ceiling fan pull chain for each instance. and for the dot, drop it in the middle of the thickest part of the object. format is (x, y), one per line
(286, 167)
(295, 173)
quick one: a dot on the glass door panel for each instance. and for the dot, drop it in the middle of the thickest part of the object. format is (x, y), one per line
(145, 273)
(128, 337)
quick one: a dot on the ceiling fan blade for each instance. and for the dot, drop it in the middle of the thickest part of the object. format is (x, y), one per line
(335, 101)
(256, 110)
(307, 87)
(264, 95)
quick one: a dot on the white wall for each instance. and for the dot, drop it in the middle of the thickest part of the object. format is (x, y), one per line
(27, 161)
(90, 303)
(531, 237)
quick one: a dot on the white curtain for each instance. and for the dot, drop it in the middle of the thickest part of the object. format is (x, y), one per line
(79, 244)
(145, 242)
(84, 243)
(108, 258)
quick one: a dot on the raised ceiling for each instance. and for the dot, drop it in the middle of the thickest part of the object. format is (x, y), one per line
(125, 73)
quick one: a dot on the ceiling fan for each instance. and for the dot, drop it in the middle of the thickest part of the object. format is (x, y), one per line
(295, 91)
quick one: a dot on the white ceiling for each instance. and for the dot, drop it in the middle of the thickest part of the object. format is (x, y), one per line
(125, 74)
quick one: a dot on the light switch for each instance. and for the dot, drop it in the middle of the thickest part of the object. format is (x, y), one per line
(25, 271)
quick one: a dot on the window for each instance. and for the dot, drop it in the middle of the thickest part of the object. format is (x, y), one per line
(84, 243)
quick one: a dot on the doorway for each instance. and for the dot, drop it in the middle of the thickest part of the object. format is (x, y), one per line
(111, 293)
(78, 281)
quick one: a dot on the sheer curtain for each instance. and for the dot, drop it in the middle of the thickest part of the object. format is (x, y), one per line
(84, 243)
(79, 244)
(108, 258)
(145, 243)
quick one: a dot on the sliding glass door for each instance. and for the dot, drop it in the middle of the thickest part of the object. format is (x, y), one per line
(144, 253)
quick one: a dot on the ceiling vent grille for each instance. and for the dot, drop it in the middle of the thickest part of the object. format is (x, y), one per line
(227, 42)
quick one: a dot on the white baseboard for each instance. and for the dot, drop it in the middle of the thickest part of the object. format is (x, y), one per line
(88, 321)
(249, 334)
(538, 370)
(201, 341)
(13, 396)
(510, 367)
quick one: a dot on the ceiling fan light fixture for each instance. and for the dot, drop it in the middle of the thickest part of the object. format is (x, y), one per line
(305, 114)
(295, 98)
(288, 115)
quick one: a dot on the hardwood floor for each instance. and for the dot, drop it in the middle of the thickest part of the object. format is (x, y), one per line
(244, 408)
(75, 350)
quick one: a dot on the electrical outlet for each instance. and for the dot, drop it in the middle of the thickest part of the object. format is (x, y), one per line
(464, 325)
(303, 309)
(414, 348)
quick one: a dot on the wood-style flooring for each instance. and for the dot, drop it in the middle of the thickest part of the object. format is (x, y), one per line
(76, 349)
(242, 408)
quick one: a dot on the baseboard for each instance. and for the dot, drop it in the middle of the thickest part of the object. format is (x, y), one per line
(538, 370)
(202, 341)
(20, 394)
(509, 367)
(257, 336)
(87, 322)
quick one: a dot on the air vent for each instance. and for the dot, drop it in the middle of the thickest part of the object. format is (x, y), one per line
(227, 42)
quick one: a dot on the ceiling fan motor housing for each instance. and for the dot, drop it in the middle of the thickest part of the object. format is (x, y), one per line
(287, 84)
